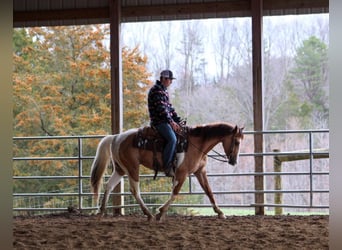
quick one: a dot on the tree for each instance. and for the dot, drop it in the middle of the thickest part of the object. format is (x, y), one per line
(61, 86)
(309, 78)
(226, 48)
(135, 87)
(191, 48)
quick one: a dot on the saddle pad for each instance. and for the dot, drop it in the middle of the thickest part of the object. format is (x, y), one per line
(149, 139)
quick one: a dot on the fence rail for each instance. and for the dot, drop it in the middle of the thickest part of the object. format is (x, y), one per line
(81, 194)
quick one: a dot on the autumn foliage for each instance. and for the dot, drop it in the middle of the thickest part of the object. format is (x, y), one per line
(62, 82)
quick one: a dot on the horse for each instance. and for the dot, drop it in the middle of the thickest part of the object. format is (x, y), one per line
(118, 149)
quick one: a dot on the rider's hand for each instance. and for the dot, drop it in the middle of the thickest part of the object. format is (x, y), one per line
(175, 126)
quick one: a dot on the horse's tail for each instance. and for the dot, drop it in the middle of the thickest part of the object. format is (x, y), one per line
(100, 163)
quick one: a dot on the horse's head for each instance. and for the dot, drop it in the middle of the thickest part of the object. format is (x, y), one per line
(231, 145)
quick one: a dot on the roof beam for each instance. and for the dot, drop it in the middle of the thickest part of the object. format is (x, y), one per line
(295, 4)
(186, 9)
(132, 11)
(65, 14)
(240, 7)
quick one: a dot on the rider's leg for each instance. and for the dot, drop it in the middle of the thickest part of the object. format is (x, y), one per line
(169, 135)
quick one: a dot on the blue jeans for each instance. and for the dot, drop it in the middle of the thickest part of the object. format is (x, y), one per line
(171, 140)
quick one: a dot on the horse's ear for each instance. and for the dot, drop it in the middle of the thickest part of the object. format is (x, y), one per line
(236, 129)
(240, 129)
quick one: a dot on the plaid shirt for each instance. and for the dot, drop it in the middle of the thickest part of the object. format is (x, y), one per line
(159, 107)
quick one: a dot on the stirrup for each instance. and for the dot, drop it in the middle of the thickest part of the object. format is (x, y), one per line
(169, 171)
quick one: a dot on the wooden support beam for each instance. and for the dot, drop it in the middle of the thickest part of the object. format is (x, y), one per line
(116, 83)
(257, 54)
(116, 67)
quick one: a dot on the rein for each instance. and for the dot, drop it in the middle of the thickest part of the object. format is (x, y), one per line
(217, 156)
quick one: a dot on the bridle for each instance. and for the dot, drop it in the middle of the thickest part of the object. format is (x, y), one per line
(218, 155)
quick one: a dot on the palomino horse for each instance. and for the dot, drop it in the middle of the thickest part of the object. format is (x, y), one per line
(126, 160)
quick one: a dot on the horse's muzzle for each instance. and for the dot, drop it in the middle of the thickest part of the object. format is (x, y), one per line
(232, 161)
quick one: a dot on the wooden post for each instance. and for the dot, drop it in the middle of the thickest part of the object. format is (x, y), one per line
(257, 8)
(277, 161)
(305, 155)
(278, 197)
(116, 81)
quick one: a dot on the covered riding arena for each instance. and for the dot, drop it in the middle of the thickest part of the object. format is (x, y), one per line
(77, 230)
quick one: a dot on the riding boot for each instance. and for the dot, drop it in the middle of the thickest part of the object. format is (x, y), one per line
(170, 170)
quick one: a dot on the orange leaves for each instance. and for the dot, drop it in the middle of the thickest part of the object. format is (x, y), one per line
(59, 124)
(73, 65)
(65, 78)
(135, 87)
(97, 119)
(23, 84)
(108, 96)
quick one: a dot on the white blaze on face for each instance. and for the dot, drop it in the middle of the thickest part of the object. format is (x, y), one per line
(238, 153)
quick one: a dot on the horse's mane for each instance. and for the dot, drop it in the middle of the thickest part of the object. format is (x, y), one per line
(211, 130)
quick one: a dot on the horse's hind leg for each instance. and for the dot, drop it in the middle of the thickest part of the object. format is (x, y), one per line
(203, 180)
(135, 190)
(111, 184)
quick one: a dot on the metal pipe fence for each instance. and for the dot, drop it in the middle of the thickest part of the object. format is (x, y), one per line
(79, 179)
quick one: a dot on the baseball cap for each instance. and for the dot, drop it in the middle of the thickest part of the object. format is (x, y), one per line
(167, 74)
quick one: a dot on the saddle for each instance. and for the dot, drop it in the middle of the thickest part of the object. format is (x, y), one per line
(148, 138)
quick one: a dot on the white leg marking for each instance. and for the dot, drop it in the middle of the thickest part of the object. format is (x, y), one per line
(113, 181)
(180, 159)
(238, 155)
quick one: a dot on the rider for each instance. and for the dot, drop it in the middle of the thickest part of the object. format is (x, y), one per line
(164, 118)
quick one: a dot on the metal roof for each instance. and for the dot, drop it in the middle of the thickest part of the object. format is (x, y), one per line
(77, 12)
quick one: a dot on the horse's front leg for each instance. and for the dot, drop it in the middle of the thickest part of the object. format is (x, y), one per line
(177, 185)
(203, 180)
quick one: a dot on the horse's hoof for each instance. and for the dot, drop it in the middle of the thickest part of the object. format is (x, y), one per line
(222, 216)
(150, 218)
(159, 217)
(99, 215)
